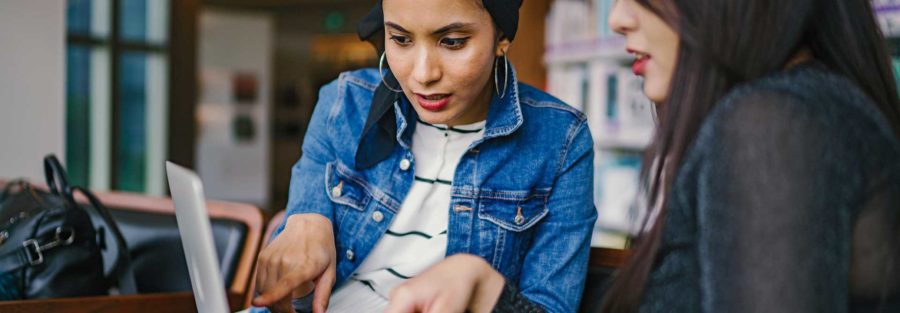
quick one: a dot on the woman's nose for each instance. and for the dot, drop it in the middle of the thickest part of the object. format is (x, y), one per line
(621, 18)
(427, 69)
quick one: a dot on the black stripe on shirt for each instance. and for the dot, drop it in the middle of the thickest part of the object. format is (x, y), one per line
(456, 130)
(392, 271)
(412, 233)
(368, 283)
(434, 181)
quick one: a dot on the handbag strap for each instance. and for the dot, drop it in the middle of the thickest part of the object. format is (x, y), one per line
(122, 268)
(57, 180)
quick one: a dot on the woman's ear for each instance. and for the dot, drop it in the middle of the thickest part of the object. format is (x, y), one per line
(503, 46)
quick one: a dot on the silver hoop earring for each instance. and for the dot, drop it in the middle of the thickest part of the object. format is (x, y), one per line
(381, 72)
(505, 75)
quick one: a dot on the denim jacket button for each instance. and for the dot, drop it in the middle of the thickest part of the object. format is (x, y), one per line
(350, 255)
(520, 219)
(377, 216)
(404, 164)
(337, 190)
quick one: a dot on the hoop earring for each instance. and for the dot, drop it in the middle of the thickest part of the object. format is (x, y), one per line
(381, 72)
(505, 75)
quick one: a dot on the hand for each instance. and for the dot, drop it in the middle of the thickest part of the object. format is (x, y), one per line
(459, 283)
(300, 260)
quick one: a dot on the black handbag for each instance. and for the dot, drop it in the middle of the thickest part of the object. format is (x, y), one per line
(49, 247)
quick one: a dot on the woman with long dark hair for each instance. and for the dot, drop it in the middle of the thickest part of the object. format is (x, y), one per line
(773, 183)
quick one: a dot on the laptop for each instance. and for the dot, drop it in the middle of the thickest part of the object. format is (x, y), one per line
(197, 239)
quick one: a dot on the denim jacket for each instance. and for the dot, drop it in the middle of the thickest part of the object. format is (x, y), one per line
(521, 196)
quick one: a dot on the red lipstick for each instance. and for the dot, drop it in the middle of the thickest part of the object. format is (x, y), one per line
(433, 102)
(640, 63)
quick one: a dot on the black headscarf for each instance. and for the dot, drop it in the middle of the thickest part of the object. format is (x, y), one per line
(379, 135)
(505, 14)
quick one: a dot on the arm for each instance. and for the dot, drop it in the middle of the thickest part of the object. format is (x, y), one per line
(307, 189)
(301, 257)
(462, 282)
(556, 265)
(773, 232)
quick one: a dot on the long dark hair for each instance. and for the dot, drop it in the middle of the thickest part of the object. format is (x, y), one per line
(727, 42)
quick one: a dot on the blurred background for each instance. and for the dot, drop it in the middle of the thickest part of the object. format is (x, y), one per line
(227, 87)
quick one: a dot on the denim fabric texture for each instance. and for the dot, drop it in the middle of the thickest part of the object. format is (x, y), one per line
(521, 196)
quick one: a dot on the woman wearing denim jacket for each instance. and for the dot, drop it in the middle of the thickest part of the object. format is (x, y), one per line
(439, 153)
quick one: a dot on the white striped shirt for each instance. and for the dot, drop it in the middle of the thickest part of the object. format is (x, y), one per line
(417, 237)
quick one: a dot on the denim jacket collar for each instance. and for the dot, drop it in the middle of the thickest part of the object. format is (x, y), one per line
(378, 139)
(504, 114)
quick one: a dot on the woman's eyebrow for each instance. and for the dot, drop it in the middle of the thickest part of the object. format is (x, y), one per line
(397, 27)
(452, 28)
(440, 31)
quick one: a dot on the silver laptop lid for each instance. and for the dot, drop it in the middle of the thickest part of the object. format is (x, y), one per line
(197, 239)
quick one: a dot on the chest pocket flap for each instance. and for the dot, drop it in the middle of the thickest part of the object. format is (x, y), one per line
(345, 187)
(514, 211)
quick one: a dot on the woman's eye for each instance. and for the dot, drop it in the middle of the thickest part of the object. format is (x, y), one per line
(454, 43)
(400, 40)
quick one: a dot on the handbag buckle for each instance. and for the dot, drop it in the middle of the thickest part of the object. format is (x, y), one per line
(34, 251)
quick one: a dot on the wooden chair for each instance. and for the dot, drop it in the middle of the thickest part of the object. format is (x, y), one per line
(609, 258)
(150, 230)
(249, 216)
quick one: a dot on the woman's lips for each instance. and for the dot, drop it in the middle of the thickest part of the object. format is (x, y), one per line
(640, 62)
(433, 102)
(639, 66)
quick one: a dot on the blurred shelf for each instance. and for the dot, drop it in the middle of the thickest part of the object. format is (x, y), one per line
(610, 48)
(887, 8)
(628, 141)
(608, 239)
(889, 18)
(627, 144)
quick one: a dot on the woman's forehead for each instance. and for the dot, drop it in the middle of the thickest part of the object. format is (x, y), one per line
(432, 15)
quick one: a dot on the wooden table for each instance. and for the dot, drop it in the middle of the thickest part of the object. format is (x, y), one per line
(609, 258)
(159, 302)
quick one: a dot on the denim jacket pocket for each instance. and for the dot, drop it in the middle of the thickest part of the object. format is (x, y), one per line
(512, 211)
(506, 227)
(346, 190)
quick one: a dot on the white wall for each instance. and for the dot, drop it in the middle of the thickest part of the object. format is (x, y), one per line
(32, 90)
(232, 43)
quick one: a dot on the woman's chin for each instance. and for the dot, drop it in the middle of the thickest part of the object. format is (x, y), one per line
(433, 117)
(656, 95)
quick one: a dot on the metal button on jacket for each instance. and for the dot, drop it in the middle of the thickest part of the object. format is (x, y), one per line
(377, 216)
(520, 219)
(337, 190)
(404, 164)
